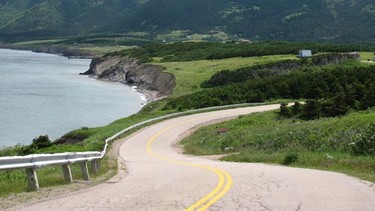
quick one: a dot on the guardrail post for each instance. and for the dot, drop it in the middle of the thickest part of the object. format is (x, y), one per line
(67, 173)
(85, 171)
(32, 179)
(95, 166)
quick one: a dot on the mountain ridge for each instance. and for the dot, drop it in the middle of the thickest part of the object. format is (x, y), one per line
(305, 20)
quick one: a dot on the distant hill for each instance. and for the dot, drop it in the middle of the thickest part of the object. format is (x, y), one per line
(61, 17)
(307, 20)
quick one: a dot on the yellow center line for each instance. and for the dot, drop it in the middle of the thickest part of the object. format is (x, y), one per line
(221, 194)
(225, 180)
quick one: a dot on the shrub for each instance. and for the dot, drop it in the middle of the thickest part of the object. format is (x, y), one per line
(290, 158)
(297, 108)
(365, 145)
(285, 110)
(41, 142)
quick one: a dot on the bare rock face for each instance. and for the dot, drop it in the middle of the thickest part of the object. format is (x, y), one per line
(334, 58)
(127, 70)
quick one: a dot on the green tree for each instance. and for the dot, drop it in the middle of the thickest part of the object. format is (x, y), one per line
(339, 106)
(368, 100)
(350, 96)
(285, 110)
(296, 109)
(312, 110)
(41, 142)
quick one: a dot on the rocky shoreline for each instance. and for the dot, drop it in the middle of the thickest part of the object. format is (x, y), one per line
(150, 86)
(149, 80)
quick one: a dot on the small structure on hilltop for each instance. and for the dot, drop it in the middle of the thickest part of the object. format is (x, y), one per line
(304, 53)
(245, 41)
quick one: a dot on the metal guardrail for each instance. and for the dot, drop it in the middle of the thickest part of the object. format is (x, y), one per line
(41, 160)
(32, 162)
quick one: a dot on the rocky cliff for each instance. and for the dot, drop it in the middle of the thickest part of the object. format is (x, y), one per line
(127, 70)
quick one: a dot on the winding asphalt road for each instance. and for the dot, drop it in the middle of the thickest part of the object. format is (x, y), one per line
(159, 178)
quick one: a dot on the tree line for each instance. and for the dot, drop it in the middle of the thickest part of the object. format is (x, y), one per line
(343, 87)
(226, 77)
(191, 51)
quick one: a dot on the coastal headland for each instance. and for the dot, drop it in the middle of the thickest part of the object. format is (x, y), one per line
(150, 80)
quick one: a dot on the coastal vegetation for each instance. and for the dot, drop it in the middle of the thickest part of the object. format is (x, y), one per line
(14, 181)
(191, 74)
(190, 51)
(338, 91)
(218, 61)
(76, 46)
(195, 76)
(322, 83)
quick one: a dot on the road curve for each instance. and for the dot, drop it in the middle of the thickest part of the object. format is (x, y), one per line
(159, 178)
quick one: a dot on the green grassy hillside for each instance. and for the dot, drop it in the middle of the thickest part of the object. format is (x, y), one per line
(261, 19)
(173, 20)
(328, 143)
(189, 75)
(26, 18)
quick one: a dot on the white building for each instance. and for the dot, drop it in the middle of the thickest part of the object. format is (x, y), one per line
(304, 53)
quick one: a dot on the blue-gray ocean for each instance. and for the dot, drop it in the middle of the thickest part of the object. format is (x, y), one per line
(43, 94)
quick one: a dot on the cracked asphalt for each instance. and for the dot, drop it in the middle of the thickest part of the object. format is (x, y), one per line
(163, 179)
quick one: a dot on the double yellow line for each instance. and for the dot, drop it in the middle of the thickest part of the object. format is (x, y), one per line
(225, 180)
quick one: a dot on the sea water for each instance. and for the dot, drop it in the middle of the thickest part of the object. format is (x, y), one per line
(43, 94)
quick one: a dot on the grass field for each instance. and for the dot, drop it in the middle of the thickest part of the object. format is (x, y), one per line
(102, 50)
(365, 56)
(38, 42)
(263, 137)
(190, 75)
(97, 47)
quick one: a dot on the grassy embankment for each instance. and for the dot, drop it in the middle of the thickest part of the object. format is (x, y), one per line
(15, 181)
(325, 143)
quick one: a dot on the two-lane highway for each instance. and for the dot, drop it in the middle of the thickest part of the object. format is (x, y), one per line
(159, 178)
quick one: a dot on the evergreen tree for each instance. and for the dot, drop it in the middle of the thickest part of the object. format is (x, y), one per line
(350, 96)
(296, 109)
(285, 110)
(368, 100)
(311, 110)
(359, 90)
(339, 106)
(284, 90)
(336, 88)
